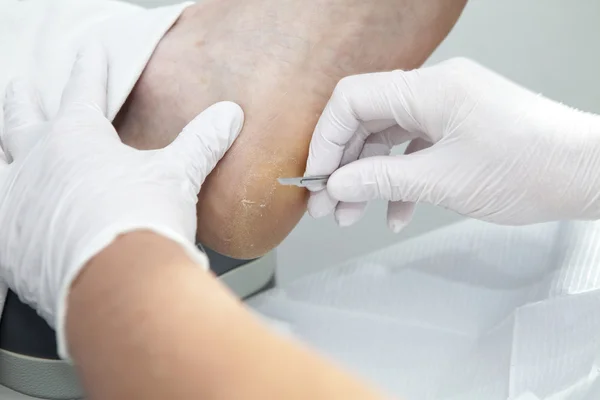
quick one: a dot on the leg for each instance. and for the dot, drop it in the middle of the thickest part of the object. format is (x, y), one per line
(279, 59)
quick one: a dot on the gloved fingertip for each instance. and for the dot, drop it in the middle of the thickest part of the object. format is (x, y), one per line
(345, 185)
(399, 214)
(90, 57)
(397, 226)
(227, 116)
(347, 214)
(204, 141)
(344, 220)
(317, 213)
(320, 204)
(316, 187)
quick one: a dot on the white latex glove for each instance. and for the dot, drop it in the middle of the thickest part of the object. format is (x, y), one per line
(498, 152)
(72, 186)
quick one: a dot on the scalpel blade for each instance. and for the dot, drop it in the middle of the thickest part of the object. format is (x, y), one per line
(304, 181)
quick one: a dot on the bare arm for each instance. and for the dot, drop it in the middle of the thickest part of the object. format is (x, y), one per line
(162, 328)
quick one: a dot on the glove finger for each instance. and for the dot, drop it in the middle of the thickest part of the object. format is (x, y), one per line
(86, 89)
(382, 143)
(422, 176)
(355, 146)
(347, 214)
(352, 149)
(400, 213)
(417, 145)
(321, 204)
(378, 144)
(379, 125)
(205, 140)
(356, 99)
(22, 112)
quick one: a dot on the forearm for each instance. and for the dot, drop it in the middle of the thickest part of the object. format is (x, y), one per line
(162, 328)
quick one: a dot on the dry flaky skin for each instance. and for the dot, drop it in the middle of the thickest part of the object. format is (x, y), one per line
(280, 60)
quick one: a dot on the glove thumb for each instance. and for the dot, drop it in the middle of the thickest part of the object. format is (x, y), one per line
(419, 177)
(205, 140)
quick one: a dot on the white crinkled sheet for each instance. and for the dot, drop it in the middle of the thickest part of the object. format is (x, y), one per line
(472, 311)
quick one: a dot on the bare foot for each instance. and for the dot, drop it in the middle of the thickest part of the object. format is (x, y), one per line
(280, 60)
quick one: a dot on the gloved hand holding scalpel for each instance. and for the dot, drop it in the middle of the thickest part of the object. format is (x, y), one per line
(482, 146)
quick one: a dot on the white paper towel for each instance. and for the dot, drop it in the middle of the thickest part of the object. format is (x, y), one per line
(472, 311)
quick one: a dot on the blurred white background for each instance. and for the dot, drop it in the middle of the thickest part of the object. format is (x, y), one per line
(550, 46)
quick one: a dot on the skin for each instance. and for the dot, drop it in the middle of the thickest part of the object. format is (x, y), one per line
(280, 60)
(182, 335)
